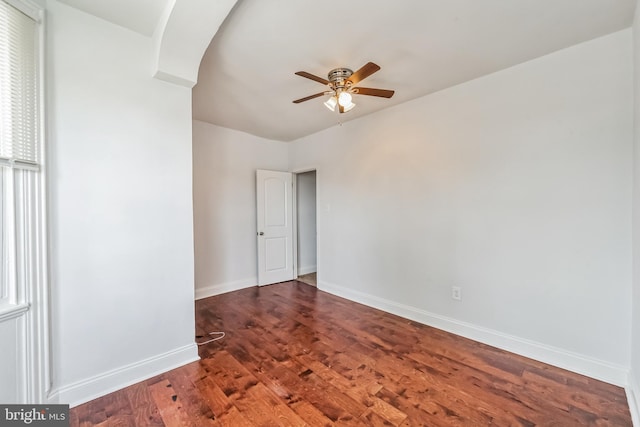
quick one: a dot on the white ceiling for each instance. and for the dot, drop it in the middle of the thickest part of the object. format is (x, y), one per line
(247, 82)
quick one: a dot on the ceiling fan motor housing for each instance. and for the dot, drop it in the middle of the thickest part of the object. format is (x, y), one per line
(338, 76)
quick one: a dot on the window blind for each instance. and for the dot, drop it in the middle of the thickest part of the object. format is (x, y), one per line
(19, 139)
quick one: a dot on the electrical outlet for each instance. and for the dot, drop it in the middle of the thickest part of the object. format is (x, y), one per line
(456, 293)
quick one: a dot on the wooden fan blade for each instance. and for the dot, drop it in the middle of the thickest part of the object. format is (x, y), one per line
(312, 77)
(306, 98)
(383, 93)
(365, 71)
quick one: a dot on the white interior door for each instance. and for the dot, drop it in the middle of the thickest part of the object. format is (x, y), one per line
(275, 226)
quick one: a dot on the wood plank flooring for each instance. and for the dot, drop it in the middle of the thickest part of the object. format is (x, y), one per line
(296, 356)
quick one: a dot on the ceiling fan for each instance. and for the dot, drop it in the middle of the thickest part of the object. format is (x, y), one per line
(342, 85)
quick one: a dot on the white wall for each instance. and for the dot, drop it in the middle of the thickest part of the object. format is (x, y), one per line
(306, 220)
(515, 186)
(634, 378)
(224, 204)
(120, 209)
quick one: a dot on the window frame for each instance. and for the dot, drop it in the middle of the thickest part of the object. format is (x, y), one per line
(26, 296)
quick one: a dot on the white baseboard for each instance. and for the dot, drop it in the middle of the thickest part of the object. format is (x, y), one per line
(591, 367)
(633, 397)
(223, 288)
(307, 270)
(99, 385)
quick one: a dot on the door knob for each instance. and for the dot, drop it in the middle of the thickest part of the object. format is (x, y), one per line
(261, 233)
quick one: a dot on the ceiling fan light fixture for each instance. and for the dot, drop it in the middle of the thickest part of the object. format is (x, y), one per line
(331, 103)
(349, 107)
(344, 99)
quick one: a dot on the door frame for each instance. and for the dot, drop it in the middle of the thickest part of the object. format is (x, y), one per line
(295, 173)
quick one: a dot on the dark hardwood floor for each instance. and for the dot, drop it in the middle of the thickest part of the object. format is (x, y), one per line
(295, 356)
